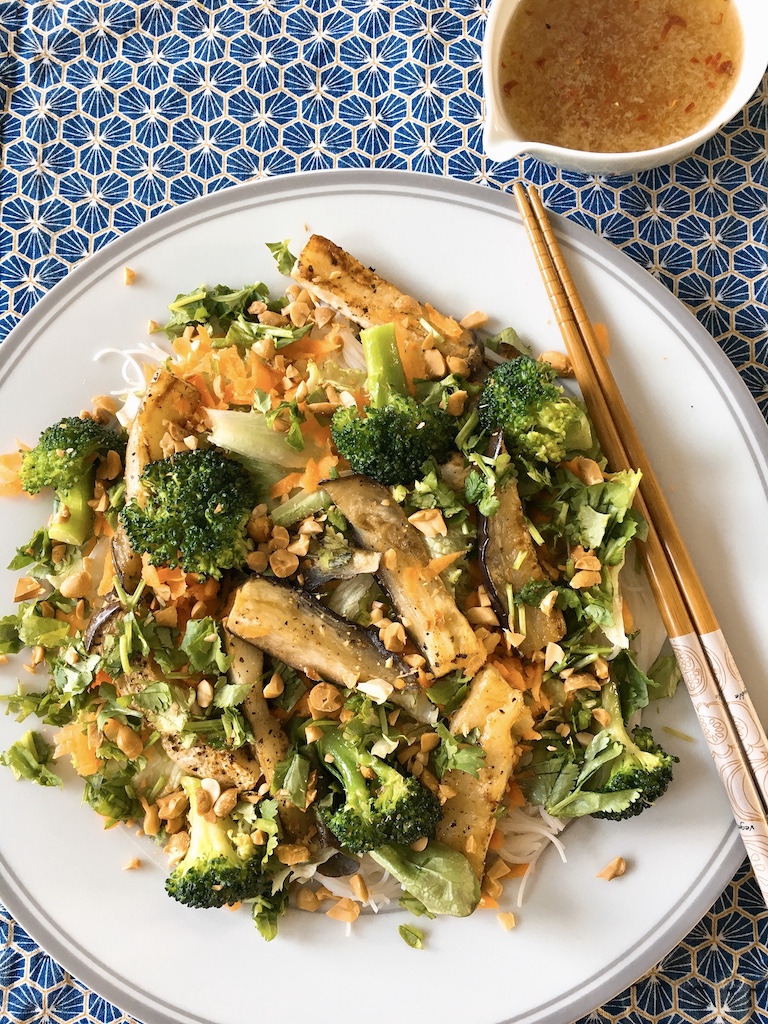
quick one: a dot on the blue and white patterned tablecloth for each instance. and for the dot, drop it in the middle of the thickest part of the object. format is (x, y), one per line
(116, 111)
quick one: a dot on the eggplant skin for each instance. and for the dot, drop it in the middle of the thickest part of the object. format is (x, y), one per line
(508, 558)
(291, 625)
(421, 599)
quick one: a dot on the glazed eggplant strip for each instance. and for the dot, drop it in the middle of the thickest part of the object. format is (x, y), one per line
(421, 599)
(270, 744)
(168, 399)
(498, 712)
(509, 559)
(347, 286)
(297, 629)
(234, 768)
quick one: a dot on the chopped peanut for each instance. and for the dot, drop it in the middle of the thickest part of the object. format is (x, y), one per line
(430, 522)
(274, 687)
(292, 853)
(345, 910)
(435, 364)
(473, 320)
(585, 578)
(615, 869)
(283, 563)
(559, 362)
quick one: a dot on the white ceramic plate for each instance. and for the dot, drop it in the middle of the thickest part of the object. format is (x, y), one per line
(579, 940)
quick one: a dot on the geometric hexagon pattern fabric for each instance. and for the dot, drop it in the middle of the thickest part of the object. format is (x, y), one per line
(113, 112)
(116, 111)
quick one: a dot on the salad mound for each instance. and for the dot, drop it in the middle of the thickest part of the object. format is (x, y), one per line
(334, 596)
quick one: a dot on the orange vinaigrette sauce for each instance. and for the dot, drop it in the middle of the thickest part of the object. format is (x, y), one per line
(617, 75)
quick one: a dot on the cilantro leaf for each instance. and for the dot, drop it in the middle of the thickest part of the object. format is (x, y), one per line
(455, 755)
(28, 759)
(284, 259)
(204, 646)
(412, 937)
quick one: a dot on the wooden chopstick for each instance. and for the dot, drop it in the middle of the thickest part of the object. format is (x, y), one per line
(742, 767)
(731, 685)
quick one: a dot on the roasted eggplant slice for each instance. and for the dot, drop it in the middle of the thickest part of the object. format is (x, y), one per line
(508, 559)
(229, 767)
(294, 627)
(421, 599)
(168, 399)
(494, 709)
(347, 286)
(270, 744)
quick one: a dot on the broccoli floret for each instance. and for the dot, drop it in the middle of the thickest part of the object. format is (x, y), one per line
(617, 776)
(214, 872)
(538, 420)
(397, 435)
(642, 766)
(196, 506)
(64, 458)
(388, 808)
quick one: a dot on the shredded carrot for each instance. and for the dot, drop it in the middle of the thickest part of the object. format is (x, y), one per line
(100, 677)
(168, 584)
(76, 622)
(207, 398)
(497, 839)
(72, 739)
(286, 485)
(412, 357)
(511, 669)
(517, 870)
(108, 574)
(626, 615)
(445, 325)
(317, 471)
(439, 564)
(313, 430)
(10, 484)
(313, 348)
(486, 903)
(515, 796)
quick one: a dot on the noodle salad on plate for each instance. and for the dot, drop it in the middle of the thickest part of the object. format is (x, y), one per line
(335, 603)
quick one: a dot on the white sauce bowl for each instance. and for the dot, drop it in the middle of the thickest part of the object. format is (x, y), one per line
(502, 143)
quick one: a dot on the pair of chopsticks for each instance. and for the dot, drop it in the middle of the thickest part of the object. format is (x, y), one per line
(726, 714)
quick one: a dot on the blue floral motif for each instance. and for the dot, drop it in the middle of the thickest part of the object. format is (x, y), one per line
(44, 971)
(654, 995)
(12, 965)
(66, 1004)
(25, 1004)
(101, 1010)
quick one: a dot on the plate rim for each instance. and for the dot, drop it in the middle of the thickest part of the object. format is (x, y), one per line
(728, 855)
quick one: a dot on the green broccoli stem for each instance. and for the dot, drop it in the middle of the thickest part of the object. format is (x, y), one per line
(303, 504)
(467, 430)
(77, 526)
(346, 764)
(386, 375)
(207, 840)
(616, 728)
